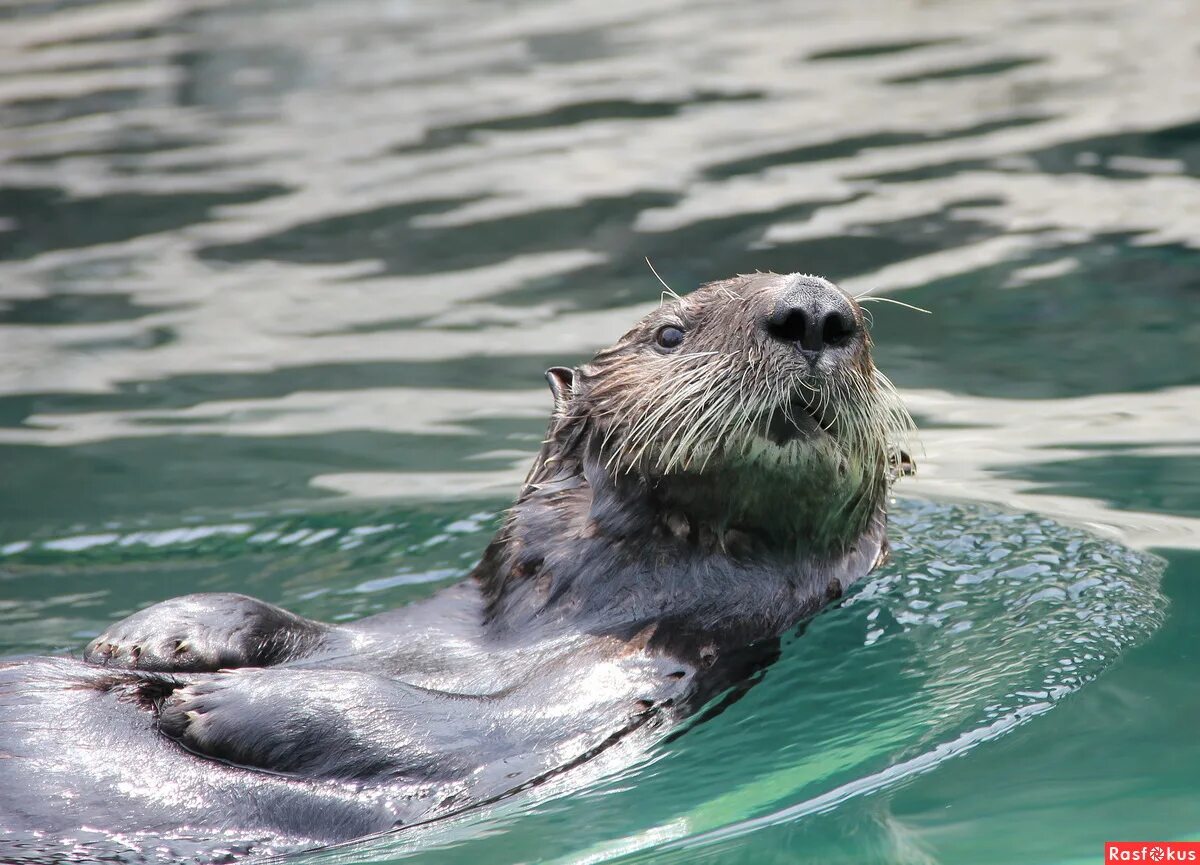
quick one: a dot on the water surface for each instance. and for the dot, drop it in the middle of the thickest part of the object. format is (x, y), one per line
(278, 281)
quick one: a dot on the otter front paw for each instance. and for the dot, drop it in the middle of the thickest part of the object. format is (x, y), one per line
(217, 718)
(178, 650)
(204, 633)
(315, 723)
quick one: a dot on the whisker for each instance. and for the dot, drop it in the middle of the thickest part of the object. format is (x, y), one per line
(920, 309)
(666, 288)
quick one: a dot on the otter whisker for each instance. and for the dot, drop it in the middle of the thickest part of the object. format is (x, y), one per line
(703, 408)
(732, 421)
(920, 309)
(667, 290)
(694, 415)
(649, 429)
(662, 402)
(683, 388)
(715, 412)
(716, 418)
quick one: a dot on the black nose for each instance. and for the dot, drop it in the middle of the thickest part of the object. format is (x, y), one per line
(813, 315)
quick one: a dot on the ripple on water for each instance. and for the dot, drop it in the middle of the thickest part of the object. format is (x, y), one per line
(60, 589)
(983, 621)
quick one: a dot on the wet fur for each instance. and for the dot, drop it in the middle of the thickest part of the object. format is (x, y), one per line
(657, 495)
(687, 507)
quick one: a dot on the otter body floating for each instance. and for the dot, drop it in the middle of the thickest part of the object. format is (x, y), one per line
(711, 480)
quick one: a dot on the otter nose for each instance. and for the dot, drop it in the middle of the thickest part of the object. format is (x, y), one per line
(812, 315)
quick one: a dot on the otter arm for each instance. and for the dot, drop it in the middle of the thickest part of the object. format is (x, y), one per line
(206, 632)
(335, 724)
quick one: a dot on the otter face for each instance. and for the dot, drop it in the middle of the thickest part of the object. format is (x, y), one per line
(766, 370)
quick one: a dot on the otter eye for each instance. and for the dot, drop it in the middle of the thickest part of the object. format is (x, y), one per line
(669, 336)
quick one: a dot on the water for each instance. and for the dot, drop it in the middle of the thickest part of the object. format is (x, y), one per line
(278, 281)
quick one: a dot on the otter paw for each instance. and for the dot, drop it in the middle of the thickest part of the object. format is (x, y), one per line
(204, 715)
(134, 650)
(266, 719)
(194, 633)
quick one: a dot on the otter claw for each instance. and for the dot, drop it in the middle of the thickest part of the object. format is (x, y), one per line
(99, 652)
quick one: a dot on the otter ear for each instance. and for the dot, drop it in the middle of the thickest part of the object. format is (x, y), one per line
(562, 385)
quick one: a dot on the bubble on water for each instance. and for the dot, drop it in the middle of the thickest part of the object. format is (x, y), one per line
(983, 622)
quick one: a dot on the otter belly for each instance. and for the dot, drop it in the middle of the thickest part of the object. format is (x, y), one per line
(81, 758)
(271, 760)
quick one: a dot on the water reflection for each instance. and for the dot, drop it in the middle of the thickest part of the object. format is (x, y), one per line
(294, 255)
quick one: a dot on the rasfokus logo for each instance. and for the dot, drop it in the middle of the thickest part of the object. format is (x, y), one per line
(1152, 851)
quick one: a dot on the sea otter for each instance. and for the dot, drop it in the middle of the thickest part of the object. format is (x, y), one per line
(708, 482)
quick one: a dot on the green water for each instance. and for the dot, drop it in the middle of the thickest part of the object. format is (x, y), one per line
(278, 281)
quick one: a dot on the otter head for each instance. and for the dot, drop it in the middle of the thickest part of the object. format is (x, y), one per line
(749, 408)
